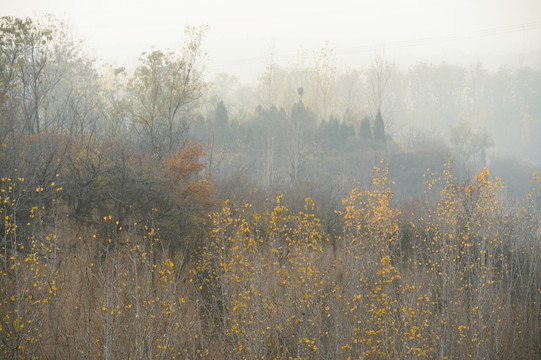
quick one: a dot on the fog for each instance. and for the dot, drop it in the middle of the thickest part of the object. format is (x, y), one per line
(290, 180)
(448, 62)
(243, 34)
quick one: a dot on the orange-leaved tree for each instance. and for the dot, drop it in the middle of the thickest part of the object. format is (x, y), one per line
(192, 194)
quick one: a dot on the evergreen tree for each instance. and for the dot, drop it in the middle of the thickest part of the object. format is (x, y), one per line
(328, 134)
(346, 130)
(221, 124)
(379, 129)
(303, 120)
(365, 130)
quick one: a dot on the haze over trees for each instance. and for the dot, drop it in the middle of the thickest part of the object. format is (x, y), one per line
(318, 214)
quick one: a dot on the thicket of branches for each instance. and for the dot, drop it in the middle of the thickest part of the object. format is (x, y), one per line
(454, 275)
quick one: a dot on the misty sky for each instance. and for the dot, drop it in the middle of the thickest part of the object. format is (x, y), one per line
(244, 33)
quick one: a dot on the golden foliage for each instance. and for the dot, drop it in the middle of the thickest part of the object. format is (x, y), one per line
(454, 276)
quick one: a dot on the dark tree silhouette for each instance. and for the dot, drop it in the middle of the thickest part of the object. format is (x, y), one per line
(365, 130)
(379, 129)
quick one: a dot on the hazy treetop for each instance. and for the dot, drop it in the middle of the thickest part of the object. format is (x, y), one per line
(244, 34)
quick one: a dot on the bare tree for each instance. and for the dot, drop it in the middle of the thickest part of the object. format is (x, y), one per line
(378, 75)
(163, 91)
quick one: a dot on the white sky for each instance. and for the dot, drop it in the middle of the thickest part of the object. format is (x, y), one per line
(244, 32)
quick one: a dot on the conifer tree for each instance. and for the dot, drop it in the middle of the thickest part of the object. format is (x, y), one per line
(221, 123)
(379, 129)
(365, 130)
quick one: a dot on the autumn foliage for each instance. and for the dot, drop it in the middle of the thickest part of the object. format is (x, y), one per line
(452, 275)
(114, 243)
